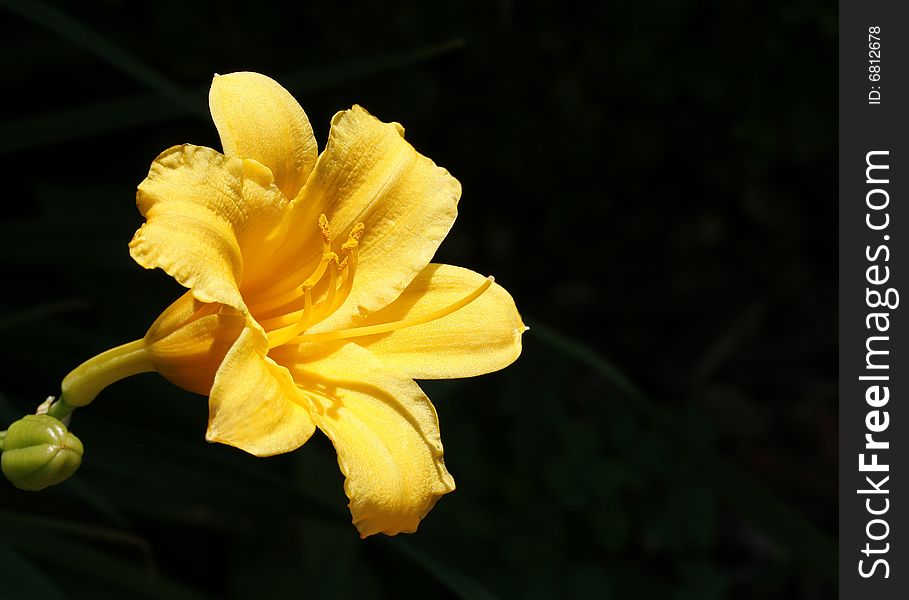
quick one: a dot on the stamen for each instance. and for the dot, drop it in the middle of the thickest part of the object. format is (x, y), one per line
(394, 326)
(320, 270)
(308, 316)
(299, 322)
(349, 267)
(276, 305)
(332, 279)
(324, 230)
(284, 318)
(353, 238)
(346, 270)
(288, 287)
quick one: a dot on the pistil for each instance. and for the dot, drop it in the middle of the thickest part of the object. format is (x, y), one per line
(354, 332)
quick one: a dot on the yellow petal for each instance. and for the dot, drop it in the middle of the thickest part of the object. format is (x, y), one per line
(174, 316)
(386, 433)
(259, 119)
(254, 404)
(479, 338)
(368, 173)
(188, 342)
(206, 214)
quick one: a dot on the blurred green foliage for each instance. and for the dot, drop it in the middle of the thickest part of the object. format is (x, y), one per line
(643, 177)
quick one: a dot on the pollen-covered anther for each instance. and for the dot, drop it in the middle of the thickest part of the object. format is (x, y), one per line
(349, 248)
(353, 238)
(324, 230)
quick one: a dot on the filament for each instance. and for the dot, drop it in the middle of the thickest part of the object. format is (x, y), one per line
(334, 278)
(394, 325)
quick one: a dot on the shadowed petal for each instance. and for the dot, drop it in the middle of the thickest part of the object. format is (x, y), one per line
(188, 342)
(386, 433)
(259, 119)
(482, 337)
(254, 404)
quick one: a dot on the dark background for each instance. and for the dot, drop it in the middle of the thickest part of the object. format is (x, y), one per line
(653, 182)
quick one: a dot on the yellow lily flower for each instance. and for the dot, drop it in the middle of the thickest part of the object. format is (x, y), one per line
(312, 301)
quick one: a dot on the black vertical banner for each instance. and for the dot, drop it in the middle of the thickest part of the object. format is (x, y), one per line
(874, 299)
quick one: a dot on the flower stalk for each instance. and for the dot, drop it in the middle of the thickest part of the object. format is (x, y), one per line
(38, 450)
(60, 409)
(85, 381)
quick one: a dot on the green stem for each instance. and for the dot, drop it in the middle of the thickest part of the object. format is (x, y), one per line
(2, 439)
(85, 381)
(60, 409)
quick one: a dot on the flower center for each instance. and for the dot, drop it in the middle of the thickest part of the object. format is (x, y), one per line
(323, 290)
(291, 307)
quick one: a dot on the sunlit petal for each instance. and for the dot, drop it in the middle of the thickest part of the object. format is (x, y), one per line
(205, 213)
(254, 404)
(259, 119)
(481, 337)
(386, 433)
(369, 174)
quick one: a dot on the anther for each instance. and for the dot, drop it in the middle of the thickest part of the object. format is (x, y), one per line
(353, 238)
(324, 229)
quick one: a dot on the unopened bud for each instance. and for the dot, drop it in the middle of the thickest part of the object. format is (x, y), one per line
(38, 451)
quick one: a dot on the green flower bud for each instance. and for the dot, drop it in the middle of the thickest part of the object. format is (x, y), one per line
(38, 451)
